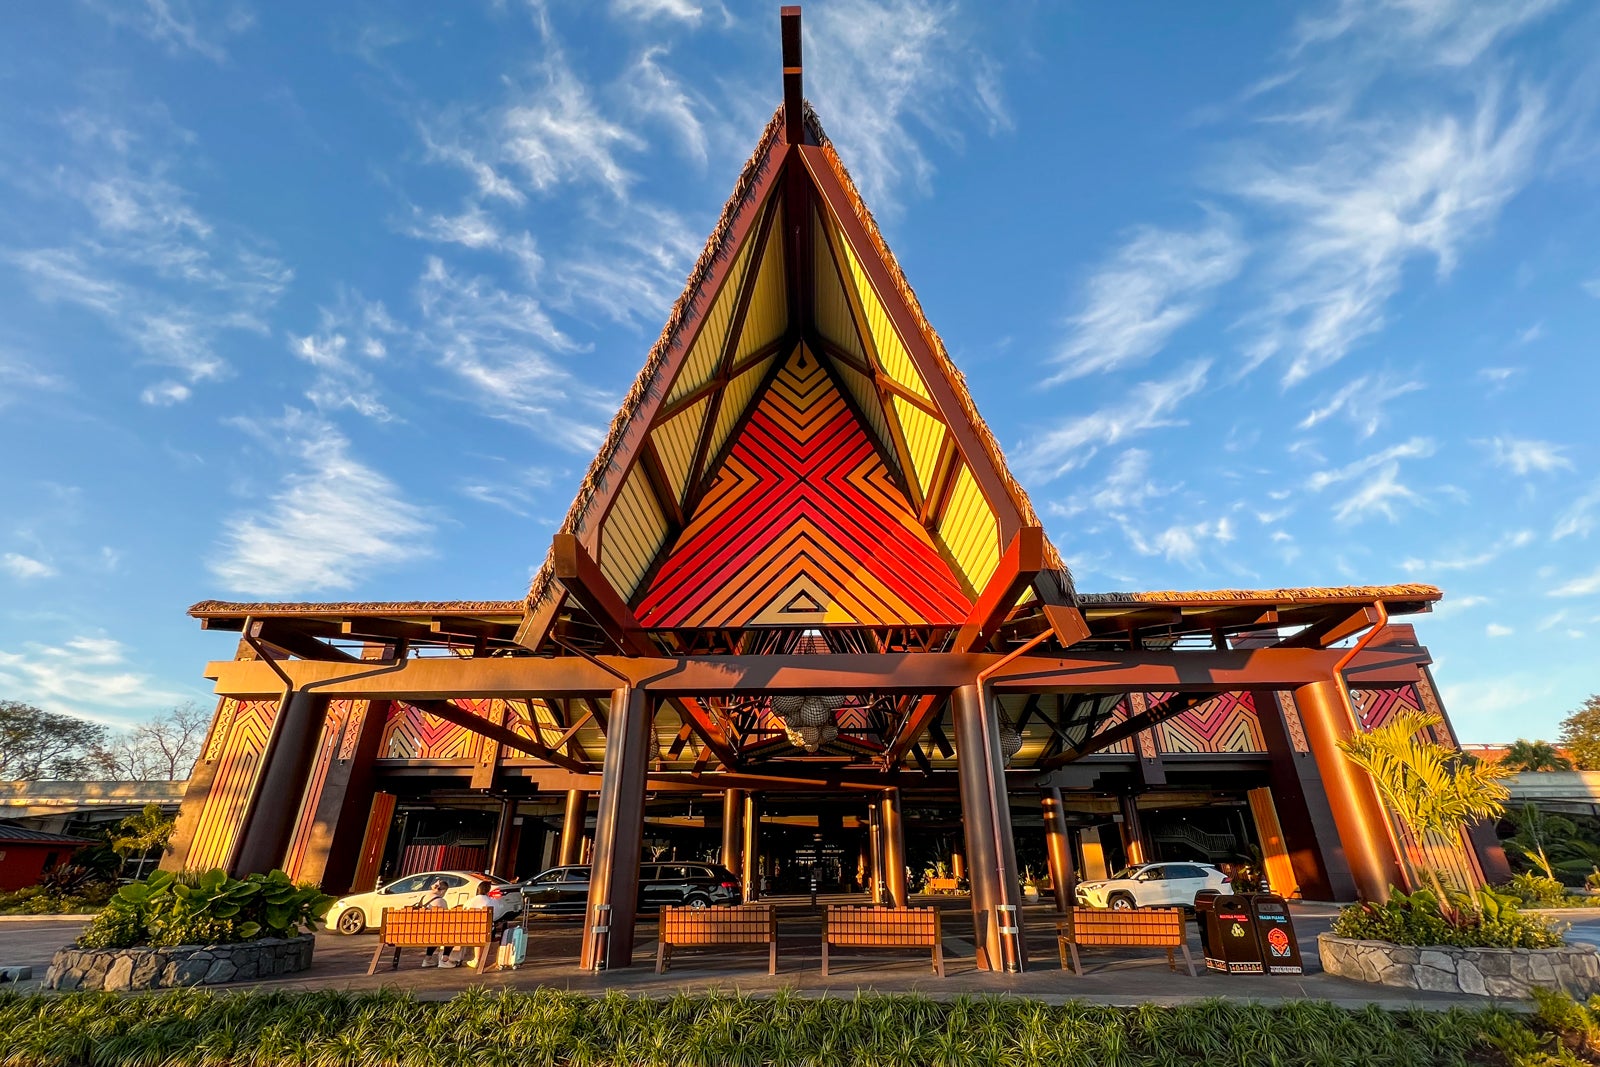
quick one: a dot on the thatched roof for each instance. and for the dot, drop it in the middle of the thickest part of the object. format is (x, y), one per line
(215, 608)
(1309, 595)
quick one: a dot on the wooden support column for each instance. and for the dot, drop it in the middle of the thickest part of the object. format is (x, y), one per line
(1133, 846)
(1358, 814)
(268, 825)
(750, 868)
(732, 829)
(370, 858)
(504, 861)
(1310, 837)
(327, 845)
(572, 827)
(618, 835)
(1274, 846)
(991, 851)
(893, 825)
(1058, 847)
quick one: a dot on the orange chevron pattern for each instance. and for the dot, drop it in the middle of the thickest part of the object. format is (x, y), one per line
(238, 738)
(412, 734)
(1225, 723)
(803, 525)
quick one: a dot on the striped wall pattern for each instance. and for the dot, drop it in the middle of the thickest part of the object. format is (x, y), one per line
(803, 524)
(412, 734)
(238, 737)
(333, 734)
(1225, 723)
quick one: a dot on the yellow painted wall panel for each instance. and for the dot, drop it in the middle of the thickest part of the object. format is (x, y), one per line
(634, 531)
(674, 441)
(866, 398)
(924, 436)
(701, 363)
(768, 314)
(736, 399)
(969, 530)
(892, 356)
(830, 305)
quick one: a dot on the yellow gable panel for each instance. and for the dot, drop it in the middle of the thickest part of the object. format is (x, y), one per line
(892, 355)
(924, 435)
(701, 363)
(861, 390)
(735, 398)
(634, 532)
(969, 530)
(830, 304)
(674, 441)
(768, 314)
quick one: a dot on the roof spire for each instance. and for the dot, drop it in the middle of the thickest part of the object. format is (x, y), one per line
(794, 129)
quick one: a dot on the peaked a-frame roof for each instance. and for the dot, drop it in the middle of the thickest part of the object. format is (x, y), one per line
(799, 448)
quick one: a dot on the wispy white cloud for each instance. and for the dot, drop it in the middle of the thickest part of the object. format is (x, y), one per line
(1495, 629)
(1526, 456)
(180, 25)
(1181, 542)
(1378, 489)
(333, 521)
(164, 394)
(1451, 605)
(1578, 519)
(1365, 202)
(1446, 33)
(1128, 485)
(1158, 281)
(1414, 448)
(1592, 287)
(879, 69)
(654, 91)
(353, 335)
(1516, 539)
(1361, 401)
(86, 675)
(1146, 406)
(25, 568)
(1585, 585)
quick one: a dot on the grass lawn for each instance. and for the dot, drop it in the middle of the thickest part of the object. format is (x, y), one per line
(491, 1029)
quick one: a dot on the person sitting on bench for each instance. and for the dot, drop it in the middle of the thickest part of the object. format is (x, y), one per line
(436, 900)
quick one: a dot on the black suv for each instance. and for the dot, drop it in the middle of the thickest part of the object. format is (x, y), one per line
(565, 890)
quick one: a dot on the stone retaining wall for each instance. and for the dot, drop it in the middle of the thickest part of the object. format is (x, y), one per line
(179, 965)
(1482, 972)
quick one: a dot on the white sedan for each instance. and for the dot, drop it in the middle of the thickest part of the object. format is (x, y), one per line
(1152, 885)
(363, 911)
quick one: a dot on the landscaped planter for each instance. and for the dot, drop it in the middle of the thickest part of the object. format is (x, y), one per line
(178, 965)
(1482, 972)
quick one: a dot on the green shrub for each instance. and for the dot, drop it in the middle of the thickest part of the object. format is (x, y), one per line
(209, 908)
(41, 900)
(1536, 890)
(1490, 920)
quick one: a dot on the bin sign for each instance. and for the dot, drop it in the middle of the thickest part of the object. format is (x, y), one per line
(1280, 949)
(1236, 930)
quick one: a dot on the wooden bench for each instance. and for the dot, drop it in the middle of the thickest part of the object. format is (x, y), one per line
(941, 885)
(737, 924)
(883, 928)
(427, 927)
(1145, 927)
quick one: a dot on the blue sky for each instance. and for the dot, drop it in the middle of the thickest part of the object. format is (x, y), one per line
(308, 301)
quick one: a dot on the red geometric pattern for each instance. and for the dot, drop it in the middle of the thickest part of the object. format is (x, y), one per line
(238, 737)
(412, 734)
(1374, 707)
(1225, 723)
(803, 525)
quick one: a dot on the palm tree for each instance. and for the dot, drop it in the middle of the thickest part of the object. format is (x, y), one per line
(138, 834)
(1527, 755)
(1432, 788)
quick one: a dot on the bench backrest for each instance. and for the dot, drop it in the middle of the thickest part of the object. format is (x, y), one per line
(437, 926)
(909, 927)
(738, 924)
(1157, 927)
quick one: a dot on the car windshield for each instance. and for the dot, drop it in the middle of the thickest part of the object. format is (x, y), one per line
(1127, 872)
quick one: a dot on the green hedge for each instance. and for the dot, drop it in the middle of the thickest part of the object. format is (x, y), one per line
(549, 1027)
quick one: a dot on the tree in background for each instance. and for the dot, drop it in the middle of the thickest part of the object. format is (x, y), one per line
(163, 749)
(1580, 734)
(139, 835)
(1527, 755)
(1428, 785)
(35, 743)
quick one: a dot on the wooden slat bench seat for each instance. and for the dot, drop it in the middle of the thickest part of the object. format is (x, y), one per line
(941, 885)
(737, 924)
(883, 928)
(1101, 928)
(425, 927)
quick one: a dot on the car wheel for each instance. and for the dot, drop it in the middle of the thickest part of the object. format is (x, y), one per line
(352, 921)
(697, 902)
(1121, 902)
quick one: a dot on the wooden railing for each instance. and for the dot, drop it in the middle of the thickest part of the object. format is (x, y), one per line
(739, 924)
(429, 927)
(883, 928)
(1146, 927)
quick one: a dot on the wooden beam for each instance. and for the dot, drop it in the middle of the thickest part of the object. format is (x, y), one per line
(444, 709)
(1176, 704)
(583, 579)
(1019, 563)
(1332, 631)
(294, 643)
(794, 127)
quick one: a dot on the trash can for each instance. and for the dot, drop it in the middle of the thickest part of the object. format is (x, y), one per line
(1233, 938)
(1279, 948)
(1203, 903)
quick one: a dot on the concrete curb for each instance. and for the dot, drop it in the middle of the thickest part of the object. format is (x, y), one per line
(81, 918)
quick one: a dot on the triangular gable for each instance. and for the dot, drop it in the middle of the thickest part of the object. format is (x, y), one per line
(796, 268)
(803, 526)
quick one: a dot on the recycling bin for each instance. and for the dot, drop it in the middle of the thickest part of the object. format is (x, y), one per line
(1203, 902)
(1235, 947)
(1279, 949)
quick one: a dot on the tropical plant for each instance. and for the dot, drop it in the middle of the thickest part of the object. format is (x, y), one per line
(1554, 845)
(208, 908)
(1525, 755)
(1580, 734)
(1429, 786)
(141, 834)
(1485, 919)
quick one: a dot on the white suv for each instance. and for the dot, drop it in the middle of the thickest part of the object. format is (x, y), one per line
(1151, 885)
